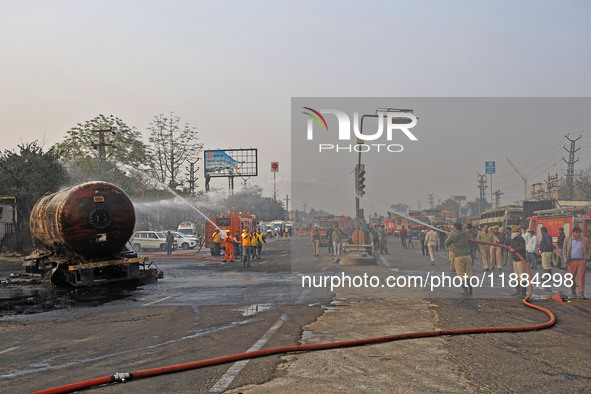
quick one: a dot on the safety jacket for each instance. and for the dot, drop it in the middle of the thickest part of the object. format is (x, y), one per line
(245, 238)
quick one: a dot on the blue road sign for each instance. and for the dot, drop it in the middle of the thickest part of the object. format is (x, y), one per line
(490, 167)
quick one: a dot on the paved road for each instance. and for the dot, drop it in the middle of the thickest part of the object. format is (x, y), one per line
(205, 308)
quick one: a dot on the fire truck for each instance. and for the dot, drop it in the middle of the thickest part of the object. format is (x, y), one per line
(376, 219)
(553, 219)
(346, 224)
(324, 223)
(396, 223)
(231, 221)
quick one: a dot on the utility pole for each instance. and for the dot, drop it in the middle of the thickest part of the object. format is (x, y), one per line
(286, 207)
(482, 187)
(101, 144)
(419, 204)
(431, 200)
(522, 177)
(551, 184)
(192, 171)
(570, 172)
(498, 195)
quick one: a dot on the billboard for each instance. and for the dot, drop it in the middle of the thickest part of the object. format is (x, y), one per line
(230, 162)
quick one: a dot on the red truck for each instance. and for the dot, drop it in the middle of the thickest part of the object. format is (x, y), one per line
(230, 221)
(324, 223)
(553, 219)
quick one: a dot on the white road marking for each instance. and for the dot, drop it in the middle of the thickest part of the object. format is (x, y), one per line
(9, 349)
(154, 302)
(222, 384)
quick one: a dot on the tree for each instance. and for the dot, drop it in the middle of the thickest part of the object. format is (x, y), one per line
(86, 169)
(172, 145)
(27, 175)
(125, 145)
(477, 206)
(582, 183)
(449, 205)
(400, 208)
(250, 199)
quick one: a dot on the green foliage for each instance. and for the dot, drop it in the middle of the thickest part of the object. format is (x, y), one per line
(86, 169)
(28, 174)
(126, 146)
(449, 205)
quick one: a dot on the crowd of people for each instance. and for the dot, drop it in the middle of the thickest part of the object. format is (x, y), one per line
(462, 253)
(245, 246)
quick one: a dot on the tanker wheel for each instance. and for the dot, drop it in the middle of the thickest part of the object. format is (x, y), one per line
(137, 247)
(58, 275)
(185, 246)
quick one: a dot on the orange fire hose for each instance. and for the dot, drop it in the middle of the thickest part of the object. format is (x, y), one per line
(122, 377)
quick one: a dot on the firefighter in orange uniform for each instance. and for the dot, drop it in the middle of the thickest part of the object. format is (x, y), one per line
(229, 256)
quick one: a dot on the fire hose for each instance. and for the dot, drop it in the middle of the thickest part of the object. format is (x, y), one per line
(146, 373)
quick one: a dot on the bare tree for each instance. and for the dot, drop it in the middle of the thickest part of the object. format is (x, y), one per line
(172, 144)
(582, 182)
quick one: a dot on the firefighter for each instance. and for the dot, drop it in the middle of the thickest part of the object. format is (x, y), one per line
(229, 255)
(254, 244)
(245, 248)
(237, 242)
(261, 242)
(217, 243)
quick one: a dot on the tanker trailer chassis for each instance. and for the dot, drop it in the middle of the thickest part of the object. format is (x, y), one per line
(75, 272)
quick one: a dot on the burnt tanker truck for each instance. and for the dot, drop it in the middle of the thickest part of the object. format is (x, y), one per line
(81, 236)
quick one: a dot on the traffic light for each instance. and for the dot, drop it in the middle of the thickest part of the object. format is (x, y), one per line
(360, 179)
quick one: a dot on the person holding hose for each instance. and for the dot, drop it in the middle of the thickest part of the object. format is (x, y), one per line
(229, 255)
(518, 246)
(458, 240)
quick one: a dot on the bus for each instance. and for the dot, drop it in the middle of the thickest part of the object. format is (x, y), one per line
(506, 216)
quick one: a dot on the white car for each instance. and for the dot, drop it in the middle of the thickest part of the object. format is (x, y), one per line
(143, 240)
(185, 241)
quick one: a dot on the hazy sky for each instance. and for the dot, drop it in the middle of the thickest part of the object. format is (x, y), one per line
(230, 68)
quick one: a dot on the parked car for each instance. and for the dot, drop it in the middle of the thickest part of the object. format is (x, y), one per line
(144, 240)
(184, 241)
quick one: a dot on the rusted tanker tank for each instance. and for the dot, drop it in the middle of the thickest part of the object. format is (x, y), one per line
(80, 233)
(91, 220)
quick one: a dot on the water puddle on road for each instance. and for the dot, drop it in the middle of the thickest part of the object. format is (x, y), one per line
(253, 309)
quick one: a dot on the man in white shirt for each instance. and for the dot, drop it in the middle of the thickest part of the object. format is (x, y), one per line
(531, 247)
(526, 236)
